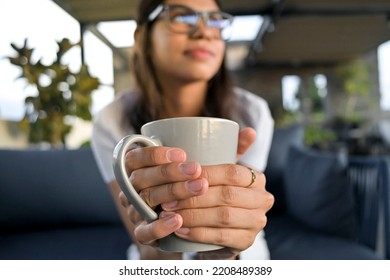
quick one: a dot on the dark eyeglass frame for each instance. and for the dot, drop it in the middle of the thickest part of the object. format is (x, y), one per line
(163, 10)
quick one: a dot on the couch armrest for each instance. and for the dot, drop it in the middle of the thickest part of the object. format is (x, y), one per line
(370, 179)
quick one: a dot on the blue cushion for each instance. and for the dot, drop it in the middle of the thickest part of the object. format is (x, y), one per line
(318, 193)
(289, 239)
(79, 243)
(283, 139)
(41, 188)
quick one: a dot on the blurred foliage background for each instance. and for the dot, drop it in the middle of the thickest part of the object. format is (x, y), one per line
(60, 94)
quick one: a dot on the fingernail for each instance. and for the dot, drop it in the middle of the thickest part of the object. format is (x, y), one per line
(195, 185)
(188, 168)
(171, 222)
(169, 205)
(183, 231)
(175, 155)
(164, 214)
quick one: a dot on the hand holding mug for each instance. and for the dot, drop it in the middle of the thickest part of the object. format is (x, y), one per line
(206, 141)
(208, 213)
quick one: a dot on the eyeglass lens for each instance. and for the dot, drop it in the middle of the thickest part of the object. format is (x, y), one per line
(183, 19)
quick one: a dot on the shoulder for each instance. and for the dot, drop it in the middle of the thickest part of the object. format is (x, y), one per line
(114, 110)
(253, 106)
(246, 98)
(110, 119)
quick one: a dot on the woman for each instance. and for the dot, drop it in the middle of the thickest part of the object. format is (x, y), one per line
(179, 65)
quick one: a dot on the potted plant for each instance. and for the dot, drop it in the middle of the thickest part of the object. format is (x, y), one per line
(60, 94)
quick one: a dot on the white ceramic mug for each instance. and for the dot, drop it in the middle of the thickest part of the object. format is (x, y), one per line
(208, 141)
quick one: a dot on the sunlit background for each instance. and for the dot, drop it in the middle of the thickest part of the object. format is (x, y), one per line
(43, 22)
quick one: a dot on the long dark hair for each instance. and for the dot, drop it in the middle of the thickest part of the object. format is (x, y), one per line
(220, 96)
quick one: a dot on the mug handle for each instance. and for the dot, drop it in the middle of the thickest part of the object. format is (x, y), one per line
(122, 177)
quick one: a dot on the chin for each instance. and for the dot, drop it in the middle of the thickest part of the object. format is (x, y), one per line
(202, 76)
(205, 72)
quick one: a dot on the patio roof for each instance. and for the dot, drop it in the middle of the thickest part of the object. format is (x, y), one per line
(294, 33)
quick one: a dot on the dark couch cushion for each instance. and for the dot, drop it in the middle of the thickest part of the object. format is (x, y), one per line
(54, 187)
(318, 193)
(283, 139)
(79, 243)
(289, 239)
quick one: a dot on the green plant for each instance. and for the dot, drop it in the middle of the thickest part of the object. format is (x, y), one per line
(60, 94)
(356, 84)
(318, 136)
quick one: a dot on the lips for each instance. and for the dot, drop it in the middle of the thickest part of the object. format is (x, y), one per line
(199, 53)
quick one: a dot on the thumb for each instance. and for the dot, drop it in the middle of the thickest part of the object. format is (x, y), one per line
(246, 138)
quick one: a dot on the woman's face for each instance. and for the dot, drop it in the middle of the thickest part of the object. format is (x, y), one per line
(187, 57)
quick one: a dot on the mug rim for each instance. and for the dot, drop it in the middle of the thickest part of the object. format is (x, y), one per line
(190, 118)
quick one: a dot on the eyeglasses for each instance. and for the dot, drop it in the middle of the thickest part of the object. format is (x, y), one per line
(183, 19)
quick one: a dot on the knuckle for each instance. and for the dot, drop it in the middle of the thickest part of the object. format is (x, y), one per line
(192, 202)
(268, 200)
(205, 173)
(222, 236)
(133, 155)
(264, 221)
(171, 190)
(233, 173)
(188, 216)
(225, 216)
(129, 160)
(192, 217)
(228, 194)
(136, 178)
(202, 234)
(259, 222)
(146, 196)
(156, 155)
(247, 240)
(164, 170)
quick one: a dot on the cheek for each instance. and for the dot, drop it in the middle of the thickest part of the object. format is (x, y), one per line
(165, 47)
(220, 50)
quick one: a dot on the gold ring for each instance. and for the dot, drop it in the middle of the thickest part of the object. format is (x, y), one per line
(253, 179)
